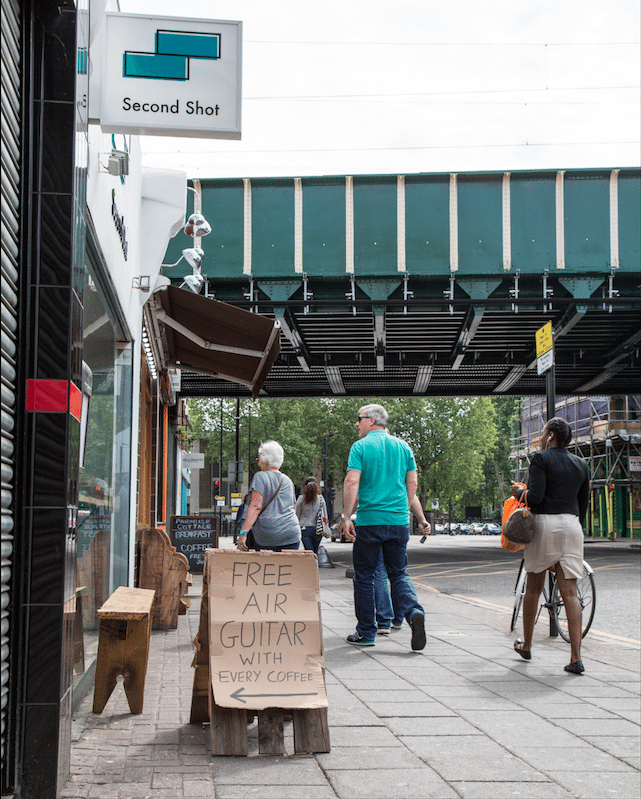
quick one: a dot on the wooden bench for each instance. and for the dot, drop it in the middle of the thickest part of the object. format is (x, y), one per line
(165, 571)
(123, 646)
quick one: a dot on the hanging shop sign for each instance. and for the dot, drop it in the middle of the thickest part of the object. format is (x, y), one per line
(171, 76)
(193, 460)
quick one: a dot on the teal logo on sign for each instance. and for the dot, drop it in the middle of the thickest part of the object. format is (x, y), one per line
(170, 61)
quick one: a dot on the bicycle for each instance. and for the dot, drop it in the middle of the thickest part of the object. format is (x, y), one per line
(586, 590)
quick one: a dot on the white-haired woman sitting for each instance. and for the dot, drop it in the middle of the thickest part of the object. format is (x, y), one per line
(271, 516)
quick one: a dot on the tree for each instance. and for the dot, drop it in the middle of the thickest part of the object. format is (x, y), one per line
(450, 437)
(498, 468)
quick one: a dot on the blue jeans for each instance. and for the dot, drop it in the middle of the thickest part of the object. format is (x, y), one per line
(310, 539)
(295, 545)
(390, 541)
(385, 611)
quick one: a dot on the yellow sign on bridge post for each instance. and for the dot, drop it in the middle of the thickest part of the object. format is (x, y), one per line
(544, 340)
(545, 364)
(544, 348)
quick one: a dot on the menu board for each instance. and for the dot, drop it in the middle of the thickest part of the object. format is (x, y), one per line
(192, 535)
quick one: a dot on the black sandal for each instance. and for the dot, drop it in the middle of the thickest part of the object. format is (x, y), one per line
(575, 668)
(524, 653)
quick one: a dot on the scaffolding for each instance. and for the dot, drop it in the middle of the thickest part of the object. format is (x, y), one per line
(606, 433)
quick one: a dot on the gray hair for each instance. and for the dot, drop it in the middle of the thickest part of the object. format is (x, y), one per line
(375, 412)
(271, 453)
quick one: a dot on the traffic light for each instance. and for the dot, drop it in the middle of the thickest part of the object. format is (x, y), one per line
(332, 493)
(215, 490)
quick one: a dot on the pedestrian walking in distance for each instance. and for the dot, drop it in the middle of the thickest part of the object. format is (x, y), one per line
(381, 479)
(308, 504)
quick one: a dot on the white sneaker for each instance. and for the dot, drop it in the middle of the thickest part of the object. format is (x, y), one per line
(383, 631)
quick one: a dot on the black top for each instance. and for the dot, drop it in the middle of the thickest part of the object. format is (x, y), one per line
(558, 482)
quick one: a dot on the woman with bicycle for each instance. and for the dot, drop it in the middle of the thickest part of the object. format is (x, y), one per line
(558, 488)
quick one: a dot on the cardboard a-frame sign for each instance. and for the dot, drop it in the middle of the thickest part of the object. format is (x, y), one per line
(265, 639)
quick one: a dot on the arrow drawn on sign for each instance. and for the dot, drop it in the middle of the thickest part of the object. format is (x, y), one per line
(237, 695)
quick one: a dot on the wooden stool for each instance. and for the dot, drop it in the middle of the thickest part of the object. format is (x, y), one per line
(123, 646)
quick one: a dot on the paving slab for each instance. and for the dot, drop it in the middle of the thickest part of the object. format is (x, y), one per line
(368, 758)
(470, 758)
(426, 709)
(274, 792)
(349, 737)
(481, 701)
(510, 790)
(578, 759)
(525, 728)
(408, 783)
(598, 785)
(431, 725)
(624, 747)
(267, 770)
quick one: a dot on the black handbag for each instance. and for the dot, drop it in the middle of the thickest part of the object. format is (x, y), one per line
(519, 527)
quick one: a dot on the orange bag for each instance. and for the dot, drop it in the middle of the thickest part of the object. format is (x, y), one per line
(509, 506)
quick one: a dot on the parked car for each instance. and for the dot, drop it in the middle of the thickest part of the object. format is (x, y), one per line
(491, 529)
(476, 528)
(439, 529)
(459, 528)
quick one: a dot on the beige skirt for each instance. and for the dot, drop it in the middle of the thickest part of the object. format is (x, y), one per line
(558, 538)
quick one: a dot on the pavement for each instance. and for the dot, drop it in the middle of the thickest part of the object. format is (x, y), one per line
(466, 717)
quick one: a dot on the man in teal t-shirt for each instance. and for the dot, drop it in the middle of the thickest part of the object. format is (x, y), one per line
(381, 478)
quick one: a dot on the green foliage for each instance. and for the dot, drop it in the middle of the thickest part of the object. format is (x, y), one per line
(460, 444)
(497, 468)
(451, 438)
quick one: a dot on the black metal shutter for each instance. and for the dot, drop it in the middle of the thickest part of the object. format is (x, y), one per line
(10, 185)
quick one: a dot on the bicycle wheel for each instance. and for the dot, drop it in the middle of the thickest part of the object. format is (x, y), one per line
(519, 592)
(586, 591)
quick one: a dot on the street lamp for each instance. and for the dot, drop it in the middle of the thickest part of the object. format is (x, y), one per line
(325, 491)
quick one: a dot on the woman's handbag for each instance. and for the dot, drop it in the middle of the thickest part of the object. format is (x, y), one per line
(519, 525)
(509, 506)
(322, 528)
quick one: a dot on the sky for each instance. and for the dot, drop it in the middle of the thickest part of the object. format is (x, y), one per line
(405, 86)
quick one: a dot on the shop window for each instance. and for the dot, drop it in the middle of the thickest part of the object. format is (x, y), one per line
(105, 462)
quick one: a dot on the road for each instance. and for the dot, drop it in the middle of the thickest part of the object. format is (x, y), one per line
(476, 569)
